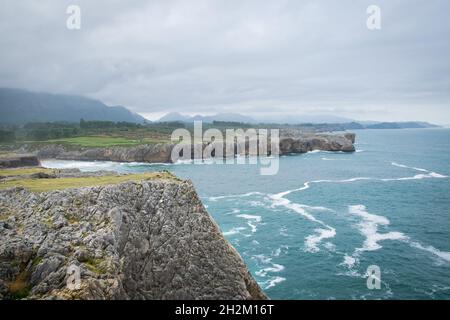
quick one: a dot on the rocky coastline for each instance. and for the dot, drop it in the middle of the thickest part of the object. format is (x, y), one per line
(290, 143)
(138, 239)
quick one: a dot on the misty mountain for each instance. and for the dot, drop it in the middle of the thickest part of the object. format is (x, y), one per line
(21, 106)
(232, 117)
(401, 125)
(324, 122)
(305, 118)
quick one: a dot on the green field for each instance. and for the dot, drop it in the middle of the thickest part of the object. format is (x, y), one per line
(104, 141)
(42, 185)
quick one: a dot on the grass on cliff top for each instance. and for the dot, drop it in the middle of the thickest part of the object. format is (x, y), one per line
(97, 141)
(105, 141)
(42, 185)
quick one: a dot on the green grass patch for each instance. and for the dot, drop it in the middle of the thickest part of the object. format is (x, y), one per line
(20, 288)
(42, 185)
(95, 265)
(97, 141)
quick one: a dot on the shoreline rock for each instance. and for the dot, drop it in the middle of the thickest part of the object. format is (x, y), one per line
(19, 160)
(161, 153)
(149, 239)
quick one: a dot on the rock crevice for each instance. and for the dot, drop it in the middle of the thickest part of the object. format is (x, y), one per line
(135, 240)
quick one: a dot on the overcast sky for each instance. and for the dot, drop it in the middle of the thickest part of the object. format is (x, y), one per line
(260, 58)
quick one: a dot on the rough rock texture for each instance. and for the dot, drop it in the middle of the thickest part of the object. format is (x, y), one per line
(26, 160)
(305, 143)
(136, 240)
(158, 153)
(290, 142)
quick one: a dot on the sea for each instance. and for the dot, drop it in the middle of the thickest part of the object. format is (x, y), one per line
(373, 224)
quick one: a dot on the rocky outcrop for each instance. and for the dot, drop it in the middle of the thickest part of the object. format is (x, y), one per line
(290, 142)
(15, 161)
(158, 153)
(306, 143)
(150, 239)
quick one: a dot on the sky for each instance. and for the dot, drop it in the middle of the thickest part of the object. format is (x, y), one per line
(265, 59)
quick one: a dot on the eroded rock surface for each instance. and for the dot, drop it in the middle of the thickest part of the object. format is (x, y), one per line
(136, 240)
(15, 161)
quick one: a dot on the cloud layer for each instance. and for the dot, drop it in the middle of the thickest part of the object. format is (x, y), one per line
(261, 58)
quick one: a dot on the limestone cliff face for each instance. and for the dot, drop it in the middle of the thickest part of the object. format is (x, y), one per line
(15, 161)
(302, 144)
(290, 142)
(136, 240)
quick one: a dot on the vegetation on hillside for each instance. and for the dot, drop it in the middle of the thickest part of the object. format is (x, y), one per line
(42, 184)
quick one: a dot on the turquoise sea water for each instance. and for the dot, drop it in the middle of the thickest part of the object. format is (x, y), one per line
(312, 230)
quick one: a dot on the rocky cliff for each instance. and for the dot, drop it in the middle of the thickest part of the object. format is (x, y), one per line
(147, 239)
(161, 153)
(17, 160)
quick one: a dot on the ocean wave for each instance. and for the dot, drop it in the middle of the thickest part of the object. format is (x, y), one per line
(272, 282)
(233, 231)
(395, 164)
(444, 255)
(368, 226)
(274, 268)
(250, 217)
(280, 250)
(232, 196)
(306, 185)
(252, 221)
(312, 241)
(267, 267)
(143, 164)
(333, 159)
(82, 165)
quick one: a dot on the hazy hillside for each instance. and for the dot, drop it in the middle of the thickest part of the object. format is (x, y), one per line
(21, 106)
(233, 117)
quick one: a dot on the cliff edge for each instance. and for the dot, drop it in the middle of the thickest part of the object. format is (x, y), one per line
(144, 239)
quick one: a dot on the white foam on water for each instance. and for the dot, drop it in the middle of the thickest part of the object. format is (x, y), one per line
(349, 261)
(144, 164)
(274, 268)
(273, 282)
(250, 217)
(407, 167)
(330, 246)
(369, 228)
(312, 241)
(252, 221)
(232, 196)
(425, 175)
(333, 159)
(280, 250)
(444, 255)
(233, 231)
(252, 226)
(283, 232)
(316, 208)
(82, 165)
(266, 270)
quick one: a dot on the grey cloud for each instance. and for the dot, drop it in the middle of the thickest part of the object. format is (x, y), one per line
(252, 57)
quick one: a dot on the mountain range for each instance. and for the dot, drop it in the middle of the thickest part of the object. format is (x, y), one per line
(19, 106)
(22, 106)
(345, 123)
